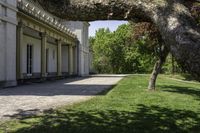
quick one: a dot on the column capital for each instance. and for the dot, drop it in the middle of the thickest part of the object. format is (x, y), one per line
(74, 45)
(43, 34)
(21, 24)
(60, 41)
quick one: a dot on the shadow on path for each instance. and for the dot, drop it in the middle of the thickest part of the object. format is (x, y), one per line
(87, 86)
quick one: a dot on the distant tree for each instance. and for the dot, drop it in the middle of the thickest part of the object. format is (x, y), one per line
(100, 46)
(154, 46)
(120, 52)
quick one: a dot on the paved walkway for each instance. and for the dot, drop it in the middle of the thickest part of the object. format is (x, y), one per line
(30, 99)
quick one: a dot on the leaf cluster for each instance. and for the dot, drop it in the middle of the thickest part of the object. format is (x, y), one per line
(120, 52)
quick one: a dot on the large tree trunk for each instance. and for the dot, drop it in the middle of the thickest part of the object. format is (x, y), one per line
(173, 20)
(164, 51)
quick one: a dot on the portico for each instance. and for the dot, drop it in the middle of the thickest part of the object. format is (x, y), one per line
(35, 44)
(44, 51)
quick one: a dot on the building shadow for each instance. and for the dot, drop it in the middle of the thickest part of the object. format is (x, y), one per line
(71, 86)
(67, 90)
(147, 119)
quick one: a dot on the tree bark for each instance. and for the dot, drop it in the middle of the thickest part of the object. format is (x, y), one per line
(177, 27)
(157, 67)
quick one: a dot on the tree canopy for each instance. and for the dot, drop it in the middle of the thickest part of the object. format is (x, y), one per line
(126, 50)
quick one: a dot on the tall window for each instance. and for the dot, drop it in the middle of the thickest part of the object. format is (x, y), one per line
(29, 58)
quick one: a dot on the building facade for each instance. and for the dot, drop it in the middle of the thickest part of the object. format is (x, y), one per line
(81, 30)
(35, 44)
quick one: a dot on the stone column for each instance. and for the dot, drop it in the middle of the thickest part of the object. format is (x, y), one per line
(43, 55)
(70, 59)
(78, 57)
(75, 60)
(18, 50)
(59, 58)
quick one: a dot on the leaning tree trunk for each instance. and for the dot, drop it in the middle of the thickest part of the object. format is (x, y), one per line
(174, 21)
(164, 51)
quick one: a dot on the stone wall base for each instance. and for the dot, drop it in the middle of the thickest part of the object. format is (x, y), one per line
(5, 84)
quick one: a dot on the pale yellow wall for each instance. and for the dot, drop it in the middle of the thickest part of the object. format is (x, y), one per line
(2, 51)
(36, 54)
(64, 58)
(52, 62)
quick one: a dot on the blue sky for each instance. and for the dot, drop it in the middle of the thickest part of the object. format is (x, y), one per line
(112, 25)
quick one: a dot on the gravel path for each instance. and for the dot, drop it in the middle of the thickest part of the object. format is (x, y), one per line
(30, 99)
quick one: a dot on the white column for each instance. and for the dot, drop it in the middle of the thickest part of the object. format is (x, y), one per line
(70, 60)
(19, 50)
(59, 58)
(43, 55)
(75, 60)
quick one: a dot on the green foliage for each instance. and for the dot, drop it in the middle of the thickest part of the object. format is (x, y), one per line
(171, 66)
(121, 52)
(100, 47)
(117, 52)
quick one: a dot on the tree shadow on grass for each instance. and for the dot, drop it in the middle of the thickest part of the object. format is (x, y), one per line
(192, 91)
(147, 119)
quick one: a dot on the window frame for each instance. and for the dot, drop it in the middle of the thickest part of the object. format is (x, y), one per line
(29, 59)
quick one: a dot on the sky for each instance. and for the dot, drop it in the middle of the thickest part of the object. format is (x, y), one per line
(112, 25)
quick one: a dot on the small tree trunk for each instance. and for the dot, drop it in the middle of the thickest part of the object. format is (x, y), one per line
(157, 67)
(156, 71)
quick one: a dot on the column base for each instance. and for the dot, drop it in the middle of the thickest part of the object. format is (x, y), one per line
(84, 75)
(44, 75)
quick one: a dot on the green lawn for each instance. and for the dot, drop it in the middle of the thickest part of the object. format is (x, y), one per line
(127, 108)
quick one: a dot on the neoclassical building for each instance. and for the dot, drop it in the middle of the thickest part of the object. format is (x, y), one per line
(35, 44)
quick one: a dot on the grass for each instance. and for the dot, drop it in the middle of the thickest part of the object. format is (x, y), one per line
(127, 108)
